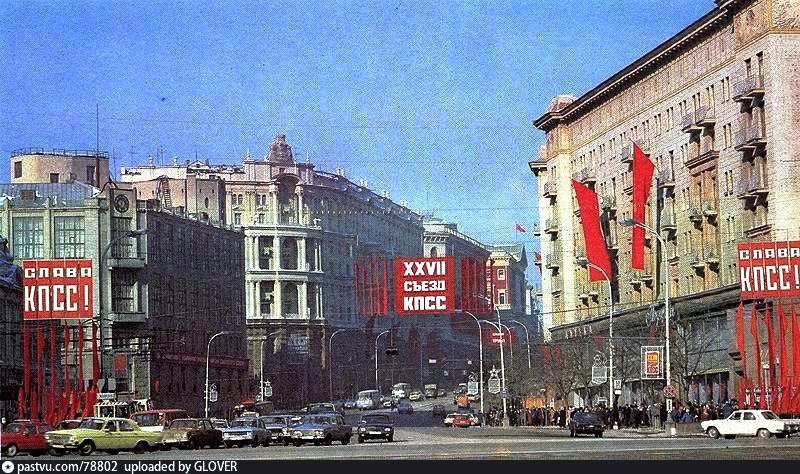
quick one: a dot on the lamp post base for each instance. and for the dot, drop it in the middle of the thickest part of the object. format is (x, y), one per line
(669, 427)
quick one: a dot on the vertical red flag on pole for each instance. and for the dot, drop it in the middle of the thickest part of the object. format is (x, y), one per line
(464, 295)
(24, 408)
(385, 289)
(783, 382)
(757, 346)
(51, 392)
(596, 250)
(770, 352)
(37, 397)
(491, 284)
(67, 384)
(795, 362)
(643, 170)
(741, 348)
(95, 357)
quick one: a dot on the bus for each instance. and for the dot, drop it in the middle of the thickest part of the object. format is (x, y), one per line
(401, 390)
(368, 400)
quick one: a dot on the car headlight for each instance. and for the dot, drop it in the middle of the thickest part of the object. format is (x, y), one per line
(318, 433)
(387, 429)
(362, 429)
(285, 431)
(185, 437)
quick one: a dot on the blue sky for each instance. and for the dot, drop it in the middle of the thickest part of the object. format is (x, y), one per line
(431, 101)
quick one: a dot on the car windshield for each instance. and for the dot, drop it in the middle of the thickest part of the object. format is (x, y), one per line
(146, 419)
(220, 424)
(315, 420)
(375, 419)
(92, 424)
(243, 423)
(182, 424)
(274, 420)
(13, 428)
(586, 416)
(770, 415)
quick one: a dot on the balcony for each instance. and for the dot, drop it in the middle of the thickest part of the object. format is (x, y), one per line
(709, 209)
(697, 261)
(537, 259)
(555, 285)
(751, 186)
(704, 157)
(695, 215)
(705, 117)
(583, 294)
(688, 124)
(668, 222)
(608, 203)
(553, 261)
(711, 257)
(537, 166)
(135, 317)
(749, 138)
(537, 231)
(551, 225)
(550, 190)
(612, 242)
(585, 176)
(666, 179)
(635, 278)
(748, 88)
(626, 155)
(646, 275)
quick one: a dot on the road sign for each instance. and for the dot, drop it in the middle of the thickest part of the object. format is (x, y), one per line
(212, 393)
(504, 393)
(472, 388)
(431, 361)
(599, 374)
(618, 384)
(494, 386)
(267, 389)
(670, 391)
(498, 337)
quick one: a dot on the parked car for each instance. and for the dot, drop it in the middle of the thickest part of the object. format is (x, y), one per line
(24, 436)
(279, 426)
(440, 392)
(314, 408)
(416, 396)
(461, 420)
(192, 433)
(322, 428)
(761, 423)
(157, 420)
(220, 423)
(586, 422)
(111, 435)
(405, 409)
(439, 410)
(389, 401)
(375, 426)
(67, 424)
(246, 432)
(350, 403)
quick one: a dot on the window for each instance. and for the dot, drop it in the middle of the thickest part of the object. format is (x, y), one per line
(501, 297)
(261, 218)
(17, 169)
(501, 274)
(28, 237)
(111, 426)
(54, 177)
(70, 236)
(123, 292)
(125, 426)
(90, 174)
(748, 416)
(205, 201)
(237, 218)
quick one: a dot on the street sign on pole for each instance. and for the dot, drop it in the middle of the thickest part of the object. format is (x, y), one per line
(494, 385)
(670, 391)
(267, 389)
(212, 393)
(599, 374)
(472, 388)
(617, 384)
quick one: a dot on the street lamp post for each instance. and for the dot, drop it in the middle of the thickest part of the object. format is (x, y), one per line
(208, 354)
(126, 235)
(480, 353)
(261, 370)
(527, 339)
(586, 264)
(377, 385)
(663, 245)
(330, 358)
(499, 328)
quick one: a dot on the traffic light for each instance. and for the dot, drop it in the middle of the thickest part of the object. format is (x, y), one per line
(392, 351)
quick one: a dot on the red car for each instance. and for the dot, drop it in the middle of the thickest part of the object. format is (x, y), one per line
(462, 421)
(25, 436)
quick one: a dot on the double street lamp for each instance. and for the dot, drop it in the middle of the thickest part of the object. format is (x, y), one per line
(480, 352)
(377, 385)
(330, 357)
(261, 370)
(582, 261)
(208, 353)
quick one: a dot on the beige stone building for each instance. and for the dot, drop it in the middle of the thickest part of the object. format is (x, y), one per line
(716, 108)
(37, 165)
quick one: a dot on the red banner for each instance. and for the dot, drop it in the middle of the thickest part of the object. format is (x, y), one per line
(756, 342)
(596, 250)
(57, 289)
(424, 285)
(784, 361)
(769, 269)
(26, 371)
(642, 180)
(371, 285)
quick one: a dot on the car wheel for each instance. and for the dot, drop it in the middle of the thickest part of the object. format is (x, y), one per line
(317, 443)
(390, 438)
(286, 442)
(346, 440)
(12, 450)
(298, 443)
(328, 441)
(712, 432)
(571, 433)
(267, 442)
(360, 439)
(228, 445)
(140, 447)
(86, 448)
(763, 433)
(255, 443)
(598, 434)
(193, 444)
(56, 452)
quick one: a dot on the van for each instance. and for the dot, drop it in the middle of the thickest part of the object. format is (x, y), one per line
(157, 420)
(368, 400)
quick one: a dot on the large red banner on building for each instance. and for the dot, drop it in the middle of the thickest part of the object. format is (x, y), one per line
(57, 289)
(769, 269)
(424, 285)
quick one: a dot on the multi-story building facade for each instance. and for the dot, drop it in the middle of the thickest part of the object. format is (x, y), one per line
(714, 108)
(37, 165)
(10, 331)
(507, 264)
(158, 295)
(303, 230)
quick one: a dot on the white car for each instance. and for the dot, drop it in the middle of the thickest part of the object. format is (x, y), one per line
(416, 396)
(761, 423)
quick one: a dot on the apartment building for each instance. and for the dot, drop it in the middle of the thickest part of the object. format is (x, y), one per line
(715, 108)
(38, 165)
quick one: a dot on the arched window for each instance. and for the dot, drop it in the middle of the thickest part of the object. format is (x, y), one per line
(434, 252)
(289, 300)
(289, 253)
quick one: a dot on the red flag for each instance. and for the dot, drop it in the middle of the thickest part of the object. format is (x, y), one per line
(491, 282)
(642, 179)
(24, 408)
(67, 383)
(770, 351)
(795, 362)
(37, 399)
(520, 228)
(784, 372)
(81, 384)
(356, 282)
(385, 289)
(756, 343)
(740, 346)
(51, 392)
(95, 357)
(596, 251)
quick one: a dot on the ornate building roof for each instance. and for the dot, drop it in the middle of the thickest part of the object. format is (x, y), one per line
(280, 151)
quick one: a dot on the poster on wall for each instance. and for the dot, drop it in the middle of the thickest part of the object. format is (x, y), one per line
(769, 269)
(424, 285)
(651, 362)
(57, 289)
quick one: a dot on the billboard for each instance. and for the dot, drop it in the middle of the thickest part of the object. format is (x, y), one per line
(57, 289)
(769, 269)
(424, 285)
(651, 362)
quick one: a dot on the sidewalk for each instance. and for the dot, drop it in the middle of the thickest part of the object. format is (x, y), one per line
(496, 431)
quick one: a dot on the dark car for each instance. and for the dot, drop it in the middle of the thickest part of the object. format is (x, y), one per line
(192, 433)
(25, 436)
(246, 432)
(314, 408)
(321, 428)
(375, 427)
(586, 422)
(405, 409)
(439, 410)
(279, 425)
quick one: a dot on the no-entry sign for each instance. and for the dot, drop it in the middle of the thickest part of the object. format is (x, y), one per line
(424, 285)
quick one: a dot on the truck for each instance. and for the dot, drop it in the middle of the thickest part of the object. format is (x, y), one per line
(431, 390)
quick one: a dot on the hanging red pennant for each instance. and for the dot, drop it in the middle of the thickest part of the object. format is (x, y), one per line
(24, 407)
(36, 404)
(771, 383)
(795, 362)
(643, 170)
(81, 343)
(784, 360)
(740, 346)
(67, 384)
(757, 344)
(595, 243)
